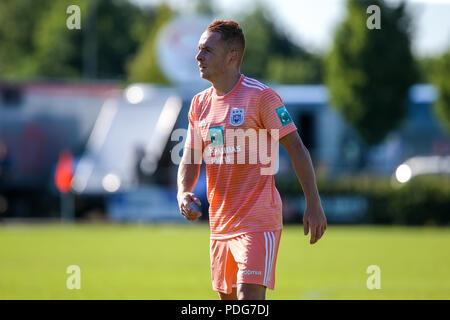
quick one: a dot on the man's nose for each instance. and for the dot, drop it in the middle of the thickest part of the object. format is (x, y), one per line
(198, 57)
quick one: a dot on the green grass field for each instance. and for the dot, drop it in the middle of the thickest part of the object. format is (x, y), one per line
(172, 262)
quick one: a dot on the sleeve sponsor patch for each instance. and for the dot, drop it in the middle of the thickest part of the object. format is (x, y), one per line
(283, 115)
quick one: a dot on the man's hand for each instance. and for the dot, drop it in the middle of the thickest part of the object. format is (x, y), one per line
(314, 219)
(186, 210)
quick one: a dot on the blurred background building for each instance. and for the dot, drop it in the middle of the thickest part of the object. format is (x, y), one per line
(373, 107)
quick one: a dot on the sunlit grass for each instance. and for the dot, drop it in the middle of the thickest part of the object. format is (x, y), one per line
(172, 262)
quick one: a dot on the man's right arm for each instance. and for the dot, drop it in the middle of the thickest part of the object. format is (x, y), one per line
(188, 173)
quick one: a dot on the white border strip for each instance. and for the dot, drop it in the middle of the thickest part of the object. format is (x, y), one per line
(256, 82)
(265, 267)
(251, 86)
(270, 253)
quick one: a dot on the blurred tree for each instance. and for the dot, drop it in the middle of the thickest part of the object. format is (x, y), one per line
(121, 28)
(369, 72)
(18, 19)
(57, 51)
(424, 66)
(36, 41)
(143, 67)
(270, 54)
(440, 77)
(295, 70)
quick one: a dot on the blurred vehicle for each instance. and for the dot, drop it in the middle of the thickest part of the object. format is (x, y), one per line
(37, 121)
(125, 148)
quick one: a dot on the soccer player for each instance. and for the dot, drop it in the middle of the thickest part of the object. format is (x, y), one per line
(245, 210)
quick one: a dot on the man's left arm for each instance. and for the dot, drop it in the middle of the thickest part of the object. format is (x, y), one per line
(314, 217)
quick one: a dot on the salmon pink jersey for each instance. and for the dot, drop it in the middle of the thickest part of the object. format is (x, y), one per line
(241, 198)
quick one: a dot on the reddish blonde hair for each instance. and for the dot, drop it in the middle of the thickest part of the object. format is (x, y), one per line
(230, 32)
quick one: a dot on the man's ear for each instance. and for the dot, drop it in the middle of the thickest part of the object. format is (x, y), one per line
(233, 55)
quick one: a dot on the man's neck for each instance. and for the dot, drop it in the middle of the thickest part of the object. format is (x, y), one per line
(226, 84)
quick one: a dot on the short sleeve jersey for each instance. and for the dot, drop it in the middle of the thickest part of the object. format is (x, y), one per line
(238, 135)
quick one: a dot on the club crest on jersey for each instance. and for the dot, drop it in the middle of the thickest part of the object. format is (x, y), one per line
(237, 117)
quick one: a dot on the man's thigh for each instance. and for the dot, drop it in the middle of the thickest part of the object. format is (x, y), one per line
(246, 262)
(223, 268)
(256, 255)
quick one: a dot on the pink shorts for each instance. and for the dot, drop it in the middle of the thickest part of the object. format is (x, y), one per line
(248, 258)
